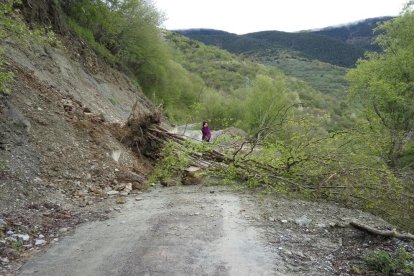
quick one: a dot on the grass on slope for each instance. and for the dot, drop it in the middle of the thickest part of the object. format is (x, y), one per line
(322, 76)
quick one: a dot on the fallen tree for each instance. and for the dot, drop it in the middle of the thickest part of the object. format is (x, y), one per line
(312, 176)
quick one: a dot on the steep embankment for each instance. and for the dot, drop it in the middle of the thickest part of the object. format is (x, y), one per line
(60, 150)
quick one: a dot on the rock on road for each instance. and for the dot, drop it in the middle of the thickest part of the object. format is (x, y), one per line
(190, 231)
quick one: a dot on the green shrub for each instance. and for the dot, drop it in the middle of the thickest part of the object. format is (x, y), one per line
(13, 27)
(386, 263)
(17, 245)
(88, 36)
(5, 78)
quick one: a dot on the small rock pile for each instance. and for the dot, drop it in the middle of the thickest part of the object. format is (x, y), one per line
(24, 233)
(123, 184)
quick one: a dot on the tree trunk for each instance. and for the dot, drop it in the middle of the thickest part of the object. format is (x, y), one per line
(395, 152)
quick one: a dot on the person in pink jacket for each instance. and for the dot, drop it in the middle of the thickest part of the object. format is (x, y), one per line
(206, 132)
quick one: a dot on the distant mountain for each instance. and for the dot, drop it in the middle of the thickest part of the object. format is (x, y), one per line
(274, 43)
(358, 33)
(340, 46)
(202, 32)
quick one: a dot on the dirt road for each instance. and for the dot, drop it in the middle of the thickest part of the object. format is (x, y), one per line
(207, 231)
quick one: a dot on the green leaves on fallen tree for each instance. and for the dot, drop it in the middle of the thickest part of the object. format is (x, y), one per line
(173, 161)
(343, 166)
(300, 158)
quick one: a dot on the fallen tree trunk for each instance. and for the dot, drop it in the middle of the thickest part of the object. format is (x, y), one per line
(208, 159)
(384, 233)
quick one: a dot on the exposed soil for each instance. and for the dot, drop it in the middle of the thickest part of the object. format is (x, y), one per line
(60, 152)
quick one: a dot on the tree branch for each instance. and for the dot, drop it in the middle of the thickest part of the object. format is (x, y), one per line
(385, 233)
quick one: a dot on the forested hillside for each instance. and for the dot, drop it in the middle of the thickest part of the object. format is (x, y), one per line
(340, 46)
(360, 33)
(229, 81)
(272, 43)
(318, 57)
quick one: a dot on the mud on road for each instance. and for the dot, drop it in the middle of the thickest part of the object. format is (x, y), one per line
(213, 231)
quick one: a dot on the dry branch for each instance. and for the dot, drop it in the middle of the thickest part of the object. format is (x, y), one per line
(385, 233)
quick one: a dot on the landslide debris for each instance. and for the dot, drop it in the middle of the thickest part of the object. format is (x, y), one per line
(64, 155)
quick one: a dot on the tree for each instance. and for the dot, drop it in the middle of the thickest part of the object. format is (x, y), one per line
(129, 31)
(267, 101)
(384, 83)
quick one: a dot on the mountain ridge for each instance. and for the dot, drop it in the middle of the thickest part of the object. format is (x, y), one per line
(341, 46)
(349, 25)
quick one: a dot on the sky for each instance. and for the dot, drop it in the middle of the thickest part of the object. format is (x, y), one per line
(245, 16)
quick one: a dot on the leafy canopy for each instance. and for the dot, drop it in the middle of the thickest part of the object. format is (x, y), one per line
(124, 32)
(384, 83)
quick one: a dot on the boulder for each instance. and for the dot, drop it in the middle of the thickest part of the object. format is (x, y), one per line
(121, 200)
(169, 182)
(40, 242)
(192, 176)
(120, 187)
(303, 221)
(129, 177)
(128, 188)
(116, 154)
(112, 193)
(22, 237)
(96, 190)
(138, 186)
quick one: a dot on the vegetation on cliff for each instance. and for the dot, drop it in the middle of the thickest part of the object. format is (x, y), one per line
(13, 27)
